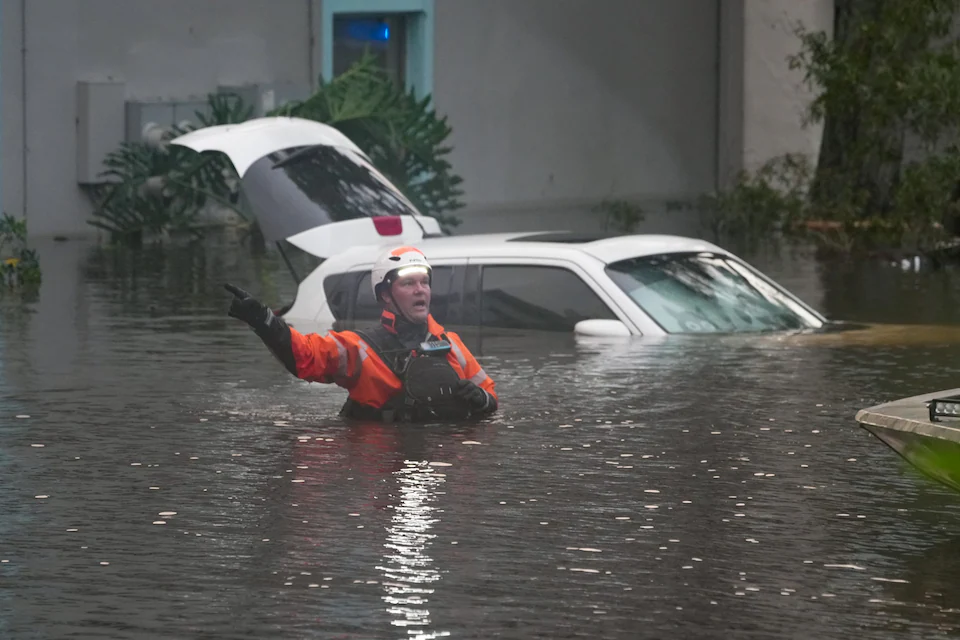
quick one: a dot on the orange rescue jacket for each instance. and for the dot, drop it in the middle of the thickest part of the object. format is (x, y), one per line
(345, 359)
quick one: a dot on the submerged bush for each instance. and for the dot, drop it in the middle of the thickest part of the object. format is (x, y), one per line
(887, 78)
(158, 189)
(19, 266)
(771, 199)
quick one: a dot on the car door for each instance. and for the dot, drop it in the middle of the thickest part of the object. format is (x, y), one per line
(535, 294)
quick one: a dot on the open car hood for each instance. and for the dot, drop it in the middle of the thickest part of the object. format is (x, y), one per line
(309, 184)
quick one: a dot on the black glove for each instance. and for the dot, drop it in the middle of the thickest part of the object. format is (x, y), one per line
(473, 395)
(272, 330)
(247, 308)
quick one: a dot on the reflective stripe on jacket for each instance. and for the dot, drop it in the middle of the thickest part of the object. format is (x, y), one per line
(345, 359)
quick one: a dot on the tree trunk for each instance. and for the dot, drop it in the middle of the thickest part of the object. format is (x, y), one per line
(856, 158)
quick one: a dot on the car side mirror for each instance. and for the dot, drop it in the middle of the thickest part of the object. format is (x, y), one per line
(601, 328)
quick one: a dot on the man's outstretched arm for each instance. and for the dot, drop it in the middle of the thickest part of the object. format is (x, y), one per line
(312, 357)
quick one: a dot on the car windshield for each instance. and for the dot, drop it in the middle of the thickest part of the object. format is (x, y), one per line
(708, 293)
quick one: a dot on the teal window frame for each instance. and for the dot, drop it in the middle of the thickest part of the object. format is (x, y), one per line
(419, 30)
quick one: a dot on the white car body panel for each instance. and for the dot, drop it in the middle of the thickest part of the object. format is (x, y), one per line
(323, 242)
(622, 247)
(247, 142)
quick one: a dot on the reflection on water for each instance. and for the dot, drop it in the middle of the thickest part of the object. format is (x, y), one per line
(169, 479)
(408, 570)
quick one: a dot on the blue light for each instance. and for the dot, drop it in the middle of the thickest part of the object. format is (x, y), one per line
(368, 30)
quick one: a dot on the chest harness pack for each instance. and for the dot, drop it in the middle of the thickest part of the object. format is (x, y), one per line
(428, 379)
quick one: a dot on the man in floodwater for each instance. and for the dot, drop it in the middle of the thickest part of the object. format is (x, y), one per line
(406, 369)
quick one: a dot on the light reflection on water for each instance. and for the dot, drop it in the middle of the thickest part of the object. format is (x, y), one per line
(408, 570)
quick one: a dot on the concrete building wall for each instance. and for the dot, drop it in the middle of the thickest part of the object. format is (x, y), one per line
(11, 108)
(555, 104)
(764, 100)
(176, 49)
(730, 100)
(559, 103)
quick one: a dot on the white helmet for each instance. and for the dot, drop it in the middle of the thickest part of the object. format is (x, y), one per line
(395, 263)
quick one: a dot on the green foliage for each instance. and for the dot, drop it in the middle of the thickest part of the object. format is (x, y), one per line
(890, 74)
(152, 190)
(890, 63)
(768, 200)
(19, 266)
(225, 108)
(403, 136)
(622, 215)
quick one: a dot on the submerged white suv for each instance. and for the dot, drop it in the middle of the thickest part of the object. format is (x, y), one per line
(644, 284)
(312, 187)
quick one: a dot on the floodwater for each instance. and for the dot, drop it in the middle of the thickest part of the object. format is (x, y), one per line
(164, 477)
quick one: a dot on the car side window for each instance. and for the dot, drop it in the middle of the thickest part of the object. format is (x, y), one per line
(443, 295)
(366, 308)
(337, 287)
(537, 297)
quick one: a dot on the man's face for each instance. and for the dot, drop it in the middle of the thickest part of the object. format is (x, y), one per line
(410, 294)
